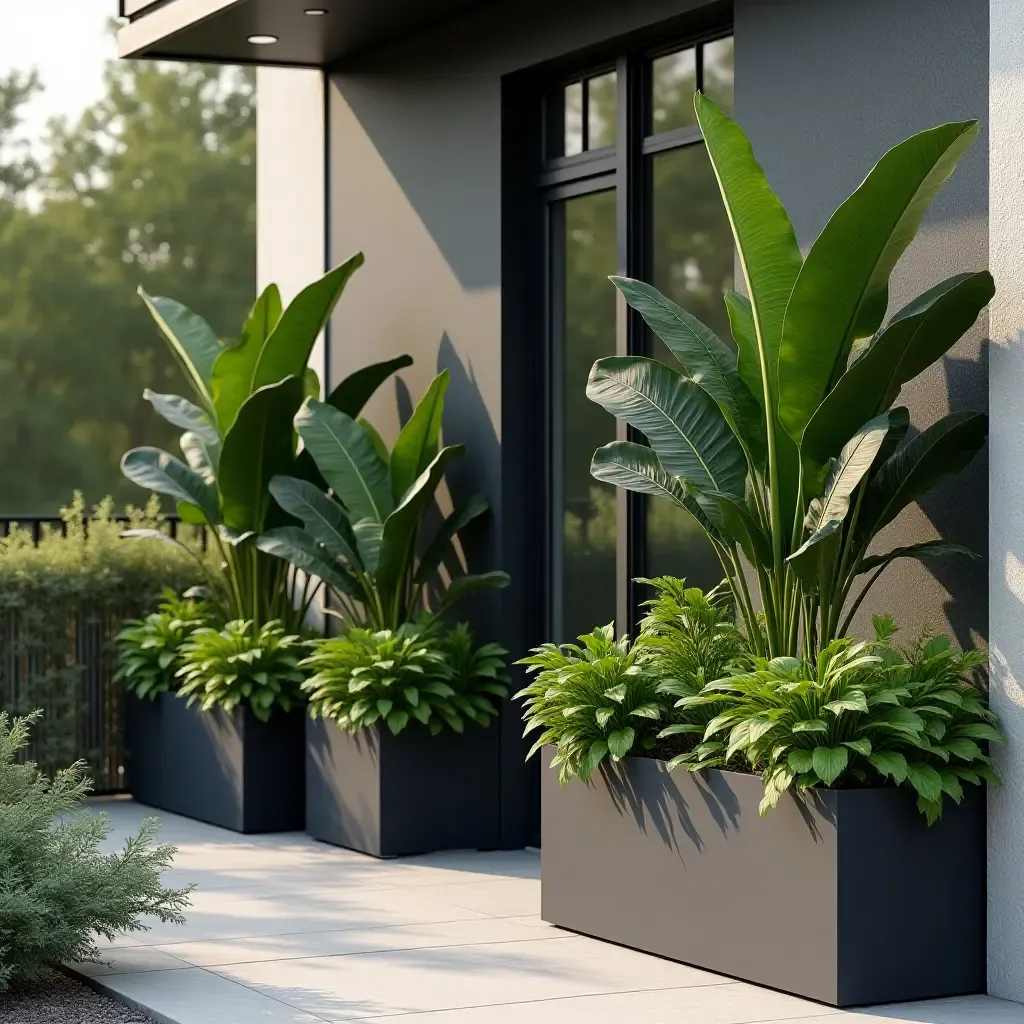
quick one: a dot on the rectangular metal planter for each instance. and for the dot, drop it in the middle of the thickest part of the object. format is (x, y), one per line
(228, 769)
(391, 796)
(843, 896)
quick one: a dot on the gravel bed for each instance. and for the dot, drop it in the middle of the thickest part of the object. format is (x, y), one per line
(53, 998)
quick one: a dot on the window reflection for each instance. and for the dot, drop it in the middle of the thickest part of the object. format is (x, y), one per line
(673, 83)
(602, 106)
(719, 72)
(693, 265)
(587, 508)
(573, 143)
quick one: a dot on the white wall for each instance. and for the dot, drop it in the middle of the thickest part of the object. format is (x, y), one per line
(291, 197)
(1006, 490)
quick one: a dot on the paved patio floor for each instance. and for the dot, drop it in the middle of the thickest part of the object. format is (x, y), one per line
(285, 930)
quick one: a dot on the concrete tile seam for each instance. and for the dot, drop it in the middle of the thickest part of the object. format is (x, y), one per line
(580, 997)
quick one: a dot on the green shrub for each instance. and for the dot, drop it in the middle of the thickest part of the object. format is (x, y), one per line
(58, 891)
(148, 649)
(859, 714)
(594, 700)
(413, 673)
(242, 662)
(61, 605)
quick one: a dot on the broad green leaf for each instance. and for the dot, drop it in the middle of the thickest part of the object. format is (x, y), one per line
(635, 467)
(849, 702)
(801, 760)
(418, 443)
(936, 454)
(194, 345)
(398, 540)
(259, 446)
(981, 731)
(233, 371)
(829, 763)
(311, 382)
(682, 422)
(810, 725)
(352, 394)
(158, 471)
(889, 763)
(477, 506)
(200, 456)
(765, 241)
(814, 561)
(286, 351)
(704, 356)
(926, 780)
(924, 552)
(345, 455)
(742, 527)
(294, 545)
(397, 721)
(842, 291)
(861, 746)
(595, 755)
(620, 743)
(916, 337)
(744, 334)
(846, 473)
(323, 518)
(965, 749)
(180, 412)
(463, 585)
(369, 534)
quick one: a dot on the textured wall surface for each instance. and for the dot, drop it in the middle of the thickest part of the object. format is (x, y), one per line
(824, 89)
(1006, 489)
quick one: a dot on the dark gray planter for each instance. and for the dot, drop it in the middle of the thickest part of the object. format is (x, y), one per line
(230, 770)
(846, 896)
(391, 796)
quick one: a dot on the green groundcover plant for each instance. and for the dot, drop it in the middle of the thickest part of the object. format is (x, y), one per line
(593, 700)
(58, 889)
(787, 447)
(149, 648)
(243, 663)
(416, 673)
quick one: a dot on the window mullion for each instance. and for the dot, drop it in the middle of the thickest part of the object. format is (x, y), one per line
(630, 517)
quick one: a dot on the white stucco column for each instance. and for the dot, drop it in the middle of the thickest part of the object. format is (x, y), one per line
(1006, 492)
(291, 188)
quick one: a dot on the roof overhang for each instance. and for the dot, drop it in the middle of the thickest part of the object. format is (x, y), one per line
(219, 30)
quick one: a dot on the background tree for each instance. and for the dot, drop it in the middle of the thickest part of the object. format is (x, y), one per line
(155, 184)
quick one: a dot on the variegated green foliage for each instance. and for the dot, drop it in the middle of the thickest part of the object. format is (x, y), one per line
(148, 649)
(858, 714)
(594, 700)
(787, 446)
(240, 663)
(416, 673)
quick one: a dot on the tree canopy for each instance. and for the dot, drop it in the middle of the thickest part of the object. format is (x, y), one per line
(155, 184)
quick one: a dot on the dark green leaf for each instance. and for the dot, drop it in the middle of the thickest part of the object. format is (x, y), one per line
(356, 390)
(418, 443)
(829, 763)
(924, 552)
(163, 473)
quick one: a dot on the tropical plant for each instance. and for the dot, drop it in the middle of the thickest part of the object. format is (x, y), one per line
(594, 700)
(367, 542)
(59, 888)
(239, 433)
(856, 715)
(413, 673)
(243, 662)
(789, 451)
(148, 649)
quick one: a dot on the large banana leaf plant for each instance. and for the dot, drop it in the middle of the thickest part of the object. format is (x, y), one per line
(239, 434)
(790, 451)
(368, 540)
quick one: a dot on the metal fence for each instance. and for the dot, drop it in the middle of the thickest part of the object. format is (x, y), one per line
(63, 661)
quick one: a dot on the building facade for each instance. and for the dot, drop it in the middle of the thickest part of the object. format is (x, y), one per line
(496, 161)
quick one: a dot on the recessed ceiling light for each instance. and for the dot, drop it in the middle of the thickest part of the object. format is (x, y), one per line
(316, 12)
(263, 40)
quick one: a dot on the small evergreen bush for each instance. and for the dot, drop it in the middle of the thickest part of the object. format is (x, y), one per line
(58, 891)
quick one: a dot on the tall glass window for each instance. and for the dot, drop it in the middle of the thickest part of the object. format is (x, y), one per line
(629, 189)
(113, 174)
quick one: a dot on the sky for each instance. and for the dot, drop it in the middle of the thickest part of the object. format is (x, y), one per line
(67, 41)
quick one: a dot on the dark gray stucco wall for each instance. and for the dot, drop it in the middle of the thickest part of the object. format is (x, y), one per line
(824, 87)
